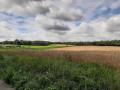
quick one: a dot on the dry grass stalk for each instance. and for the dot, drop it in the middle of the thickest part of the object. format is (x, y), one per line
(111, 58)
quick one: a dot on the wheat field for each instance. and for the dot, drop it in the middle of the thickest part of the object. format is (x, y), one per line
(104, 55)
(90, 48)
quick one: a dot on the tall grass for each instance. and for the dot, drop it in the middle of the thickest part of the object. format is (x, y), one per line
(111, 58)
(32, 73)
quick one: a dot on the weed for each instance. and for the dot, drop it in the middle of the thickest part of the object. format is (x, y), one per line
(33, 73)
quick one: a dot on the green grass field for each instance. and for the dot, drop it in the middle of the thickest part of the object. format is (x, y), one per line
(32, 73)
(29, 47)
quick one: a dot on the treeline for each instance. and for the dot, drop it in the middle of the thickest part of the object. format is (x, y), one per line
(96, 43)
(45, 43)
(23, 42)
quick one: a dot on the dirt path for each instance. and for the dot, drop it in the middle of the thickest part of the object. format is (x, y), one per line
(4, 86)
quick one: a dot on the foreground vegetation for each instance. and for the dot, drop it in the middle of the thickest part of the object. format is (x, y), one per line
(32, 73)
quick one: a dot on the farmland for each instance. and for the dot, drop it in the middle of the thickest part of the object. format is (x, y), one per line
(29, 47)
(104, 55)
(58, 68)
(91, 48)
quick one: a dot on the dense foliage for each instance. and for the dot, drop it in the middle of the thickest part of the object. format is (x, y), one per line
(23, 42)
(44, 43)
(97, 43)
(31, 73)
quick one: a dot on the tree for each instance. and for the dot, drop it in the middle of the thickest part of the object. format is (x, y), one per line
(17, 42)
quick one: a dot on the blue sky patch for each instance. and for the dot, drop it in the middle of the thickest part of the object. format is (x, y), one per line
(21, 22)
(78, 23)
(116, 11)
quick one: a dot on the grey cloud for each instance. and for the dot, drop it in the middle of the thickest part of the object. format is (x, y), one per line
(115, 5)
(113, 25)
(25, 7)
(66, 14)
(61, 32)
(68, 18)
(57, 27)
(114, 28)
(50, 24)
(38, 10)
(43, 7)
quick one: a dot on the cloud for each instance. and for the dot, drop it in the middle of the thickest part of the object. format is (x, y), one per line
(99, 29)
(57, 27)
(115, 5)
(114, 25)
(43, 7)
(71, 15)
(24, 7)
(50, 24)
(8, 33)
(55, 20)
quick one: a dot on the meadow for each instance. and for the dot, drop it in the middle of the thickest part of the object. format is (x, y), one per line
(30, 47)
(33, 73)
(103, 55)
(70, 68)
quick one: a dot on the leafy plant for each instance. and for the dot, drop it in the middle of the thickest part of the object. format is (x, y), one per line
(32, 73)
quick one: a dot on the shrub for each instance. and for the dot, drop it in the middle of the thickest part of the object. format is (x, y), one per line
(32, 73)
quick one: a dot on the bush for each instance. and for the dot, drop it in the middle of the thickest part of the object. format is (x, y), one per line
(32, 73)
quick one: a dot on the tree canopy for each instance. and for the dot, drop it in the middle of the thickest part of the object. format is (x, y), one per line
(45, 43)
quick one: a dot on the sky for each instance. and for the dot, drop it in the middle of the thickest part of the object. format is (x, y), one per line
(60, 20)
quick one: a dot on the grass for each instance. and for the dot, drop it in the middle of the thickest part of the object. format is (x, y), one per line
(29, 47)
(111, 58)
(7, 45)
(33, 73)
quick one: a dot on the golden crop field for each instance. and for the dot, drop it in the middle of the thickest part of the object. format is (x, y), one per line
(62, 45)
(91, 48)
(107, 55)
